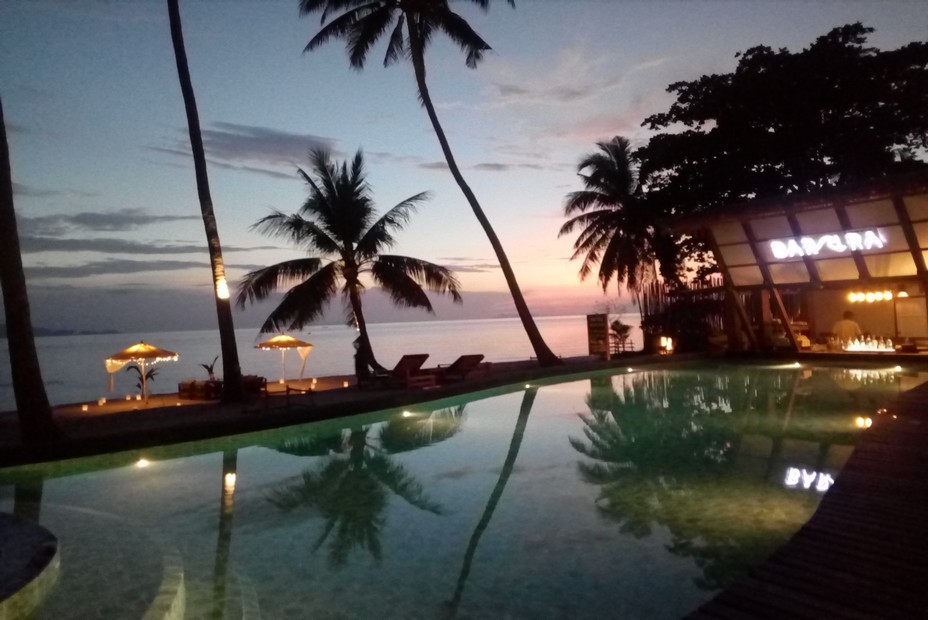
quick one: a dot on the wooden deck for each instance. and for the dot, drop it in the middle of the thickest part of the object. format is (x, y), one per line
(864, 553)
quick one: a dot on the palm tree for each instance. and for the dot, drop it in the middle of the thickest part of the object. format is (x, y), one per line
(35, 413)
(232, 373)
(414, 22)
(617, 228)
(337, 221)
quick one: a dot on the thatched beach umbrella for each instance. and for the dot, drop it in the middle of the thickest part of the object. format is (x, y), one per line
(284, 342)
(141, 354)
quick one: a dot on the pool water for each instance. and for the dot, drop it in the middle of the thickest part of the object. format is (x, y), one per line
(635, 495)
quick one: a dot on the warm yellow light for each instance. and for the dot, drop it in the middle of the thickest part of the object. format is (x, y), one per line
(85, 407)
(897, 368)
(797, 365)
(407, 414)
(870, 298)
(863, 422)
(344, 384)
(222, 288)
(887, 295)
(630, 369)
(228, 482)
(878, 296)
(142, 463)
(852, 297)
(902, 294)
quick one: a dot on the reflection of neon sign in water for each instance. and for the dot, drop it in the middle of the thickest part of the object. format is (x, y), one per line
(807, 478)
(836, 243)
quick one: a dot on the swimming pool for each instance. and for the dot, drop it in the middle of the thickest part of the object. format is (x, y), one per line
(636, 495)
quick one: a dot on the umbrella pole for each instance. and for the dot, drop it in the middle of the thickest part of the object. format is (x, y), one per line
(283, 365)
(144, 382)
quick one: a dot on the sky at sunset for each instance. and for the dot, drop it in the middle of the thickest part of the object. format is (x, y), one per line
(103, 181)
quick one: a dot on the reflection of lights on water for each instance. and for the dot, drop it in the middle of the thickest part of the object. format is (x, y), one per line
(142, 463)
(795, 477)
(863, 422)
(228, 482)
(897, 368)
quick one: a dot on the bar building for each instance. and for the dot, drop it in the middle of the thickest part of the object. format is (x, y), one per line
(804, 261)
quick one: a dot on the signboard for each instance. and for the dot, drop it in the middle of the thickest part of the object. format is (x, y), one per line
(835, 243)
(597, 331)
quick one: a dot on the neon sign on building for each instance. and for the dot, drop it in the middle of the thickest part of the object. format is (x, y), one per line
(836, 243)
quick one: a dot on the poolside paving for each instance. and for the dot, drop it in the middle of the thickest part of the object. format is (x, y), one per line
(165, 418)
(864, 553)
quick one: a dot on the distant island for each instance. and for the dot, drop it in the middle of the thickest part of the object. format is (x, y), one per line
(47, 331)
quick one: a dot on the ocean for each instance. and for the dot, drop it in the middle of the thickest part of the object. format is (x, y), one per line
(73, 367)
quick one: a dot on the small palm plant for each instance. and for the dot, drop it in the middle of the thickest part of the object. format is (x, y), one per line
(142, 380)
(209, 368)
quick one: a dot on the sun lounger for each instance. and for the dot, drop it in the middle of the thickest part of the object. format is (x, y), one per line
(407, 373)
(459, 370)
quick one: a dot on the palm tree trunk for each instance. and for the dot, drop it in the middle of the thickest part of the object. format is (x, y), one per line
(365, 350)
(544, 354)
(35, 413)
(232, 374)
(528, 399)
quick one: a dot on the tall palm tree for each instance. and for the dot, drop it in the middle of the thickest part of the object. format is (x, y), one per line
(414, 22)
(337, 221)
(35, 413)
(231, 370)
(616, 228)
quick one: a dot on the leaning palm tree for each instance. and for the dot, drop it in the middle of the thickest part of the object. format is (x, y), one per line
(414, 23)
(337, 221)
(35, 413)
(617, 229)
(231, 371)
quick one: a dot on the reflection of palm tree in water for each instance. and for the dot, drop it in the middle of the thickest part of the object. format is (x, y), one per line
(528, 400)
(663, 450)
(350, 488)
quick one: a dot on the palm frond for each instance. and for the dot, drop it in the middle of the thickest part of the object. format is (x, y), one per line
(378, 236)
(396, 47)
(257, 285)
(404, 277)
(459, 31)
(304, 302)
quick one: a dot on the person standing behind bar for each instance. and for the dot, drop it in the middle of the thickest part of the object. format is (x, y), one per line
(847, 329)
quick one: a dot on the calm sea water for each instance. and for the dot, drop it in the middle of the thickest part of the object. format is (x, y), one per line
(73, 369)
(635, 495)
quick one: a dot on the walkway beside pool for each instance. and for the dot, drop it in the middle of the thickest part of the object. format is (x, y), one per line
(864, 553)
(126, 424)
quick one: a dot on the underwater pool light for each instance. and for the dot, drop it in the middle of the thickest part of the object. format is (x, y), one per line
(142, 463)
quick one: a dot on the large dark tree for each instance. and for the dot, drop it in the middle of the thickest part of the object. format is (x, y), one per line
(338, 226)
(231, 370)
(616, 223)
(783, 122)
(411, 25)
(35, 413)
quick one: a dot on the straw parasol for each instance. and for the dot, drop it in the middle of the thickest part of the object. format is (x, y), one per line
(141, 354)
(285, 342)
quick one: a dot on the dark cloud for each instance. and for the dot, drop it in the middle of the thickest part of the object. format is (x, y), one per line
(111, 267)
(33, 244)
(497, 167)
(107, 221)
(37, 192)
(434, 165)
(473, 268)
(251, 148)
